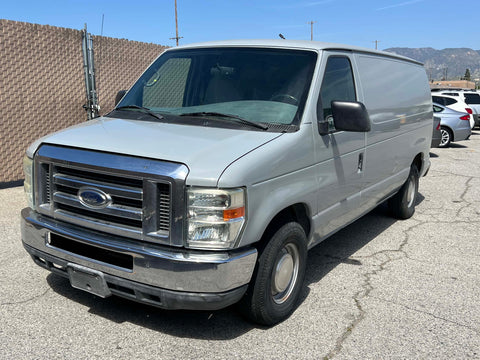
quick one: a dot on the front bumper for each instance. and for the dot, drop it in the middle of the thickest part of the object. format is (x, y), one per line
(158, 275)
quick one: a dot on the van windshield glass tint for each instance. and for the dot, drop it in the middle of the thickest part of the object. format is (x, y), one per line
(268, 86)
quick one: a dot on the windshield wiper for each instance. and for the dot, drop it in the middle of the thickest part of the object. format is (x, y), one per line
(229, 116)
(143, 109)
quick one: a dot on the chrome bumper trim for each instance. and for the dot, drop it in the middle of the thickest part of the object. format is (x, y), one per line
(166, 299)
(153, 265)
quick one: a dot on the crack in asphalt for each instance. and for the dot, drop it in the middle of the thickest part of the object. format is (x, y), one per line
(466, 204)
(367, 287)
(429, 313)
(468, 187)
(27, 300)
(440, 172)
(345, 260)
(462, 197)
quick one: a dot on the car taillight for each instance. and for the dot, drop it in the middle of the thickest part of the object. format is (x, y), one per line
(438, 126)
(468, 111)
(465, 117)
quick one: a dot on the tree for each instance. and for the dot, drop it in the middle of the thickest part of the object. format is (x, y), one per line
(467, 75)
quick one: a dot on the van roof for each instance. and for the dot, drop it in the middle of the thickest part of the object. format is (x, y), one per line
(291, 44)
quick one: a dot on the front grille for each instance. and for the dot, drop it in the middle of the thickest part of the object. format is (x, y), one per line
(126, 193)
(48, 191)
(164, 208)
(137, 204)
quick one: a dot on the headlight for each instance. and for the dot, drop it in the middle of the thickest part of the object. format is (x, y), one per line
(215, 217)
(28, 183)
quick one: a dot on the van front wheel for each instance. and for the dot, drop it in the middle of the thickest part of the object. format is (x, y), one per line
(402, 204)
(278, 278)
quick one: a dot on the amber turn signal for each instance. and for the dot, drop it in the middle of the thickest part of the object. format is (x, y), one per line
(233, 213)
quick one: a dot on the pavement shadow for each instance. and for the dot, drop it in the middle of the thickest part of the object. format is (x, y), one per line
(222, 324)
(338, 248)
(227, 324)
(10, 184)
(457, 146)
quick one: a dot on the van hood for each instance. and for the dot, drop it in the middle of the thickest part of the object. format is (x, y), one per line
(206, 151)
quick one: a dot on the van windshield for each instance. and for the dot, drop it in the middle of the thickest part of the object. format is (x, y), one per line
(264, 86)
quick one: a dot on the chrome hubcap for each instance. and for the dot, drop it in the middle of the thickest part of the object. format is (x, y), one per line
(285, 273)
(411, 192)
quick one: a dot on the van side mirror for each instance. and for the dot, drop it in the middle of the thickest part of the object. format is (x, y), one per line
(119, 96)
(350, 116)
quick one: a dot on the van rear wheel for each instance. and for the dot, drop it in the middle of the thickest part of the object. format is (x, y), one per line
(278, 278)
(402, 204)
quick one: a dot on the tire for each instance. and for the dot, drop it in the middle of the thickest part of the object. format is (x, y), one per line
(447, 137)
(402, 204)
(278, 277)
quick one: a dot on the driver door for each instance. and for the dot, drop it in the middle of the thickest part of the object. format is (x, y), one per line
(339, 154)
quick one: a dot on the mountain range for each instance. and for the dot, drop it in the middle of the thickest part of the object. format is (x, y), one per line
(451, 62)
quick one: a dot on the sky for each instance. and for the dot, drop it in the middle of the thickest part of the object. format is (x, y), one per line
(392, 23)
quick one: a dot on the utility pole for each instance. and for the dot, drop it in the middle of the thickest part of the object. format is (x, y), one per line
(376, 44)
(311, 29)
(429, 72)
(176, 25)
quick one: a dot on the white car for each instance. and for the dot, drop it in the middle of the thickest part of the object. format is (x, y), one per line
(454, 103)
(470, 97)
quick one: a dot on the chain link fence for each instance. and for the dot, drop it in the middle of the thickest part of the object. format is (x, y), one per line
(42, 86)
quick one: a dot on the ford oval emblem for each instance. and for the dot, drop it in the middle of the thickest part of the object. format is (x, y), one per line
(93, 198)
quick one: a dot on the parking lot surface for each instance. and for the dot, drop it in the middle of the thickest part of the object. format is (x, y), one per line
(379, 289)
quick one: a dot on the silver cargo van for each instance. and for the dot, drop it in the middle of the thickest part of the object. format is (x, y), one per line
(221, 166)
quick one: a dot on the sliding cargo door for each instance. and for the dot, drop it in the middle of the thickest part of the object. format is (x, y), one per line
(397, 97)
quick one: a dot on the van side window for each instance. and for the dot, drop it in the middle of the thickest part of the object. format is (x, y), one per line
(337, 84)
(437, 109)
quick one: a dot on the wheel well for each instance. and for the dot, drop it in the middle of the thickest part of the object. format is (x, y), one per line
(418, 162)
(297, 212)
(450, 131)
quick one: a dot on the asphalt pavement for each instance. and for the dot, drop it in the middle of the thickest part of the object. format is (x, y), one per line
(379, 289)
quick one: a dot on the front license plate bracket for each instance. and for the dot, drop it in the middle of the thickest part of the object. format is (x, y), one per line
(88, 280)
